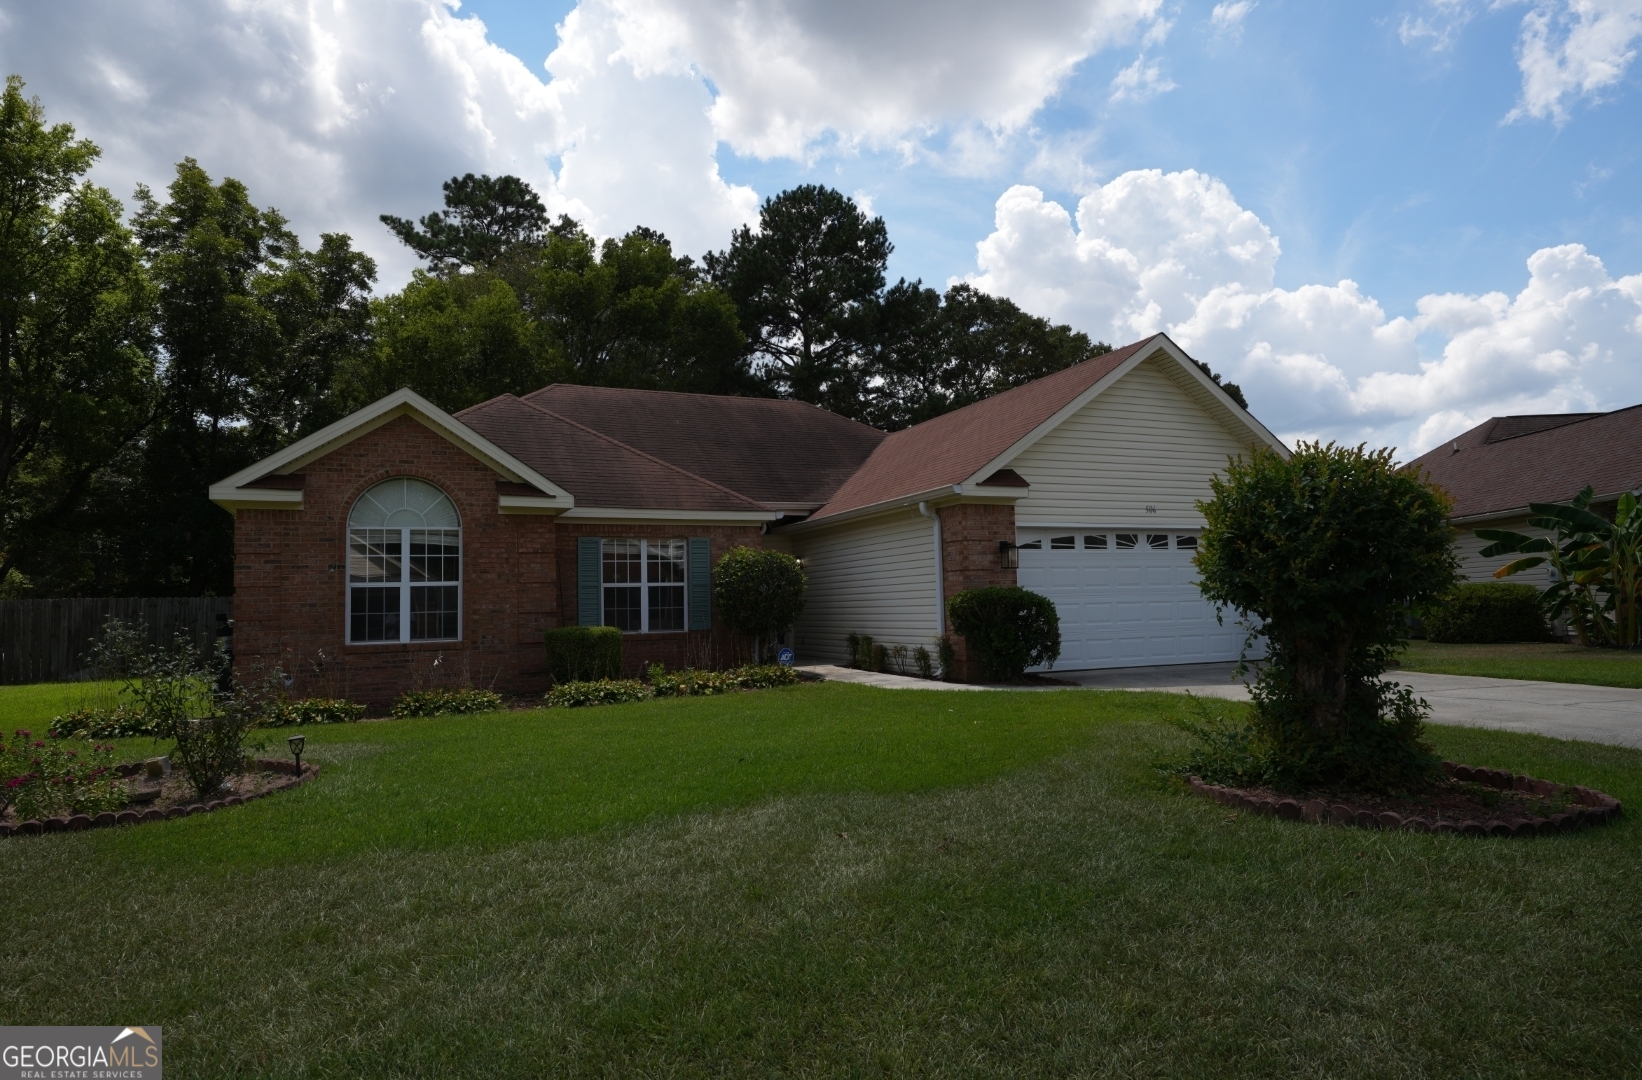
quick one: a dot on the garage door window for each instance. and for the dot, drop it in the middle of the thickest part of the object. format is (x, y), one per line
(1063, 543)
(1157, 541)
(1126, 540)
(1186, 543)
(1095, 542)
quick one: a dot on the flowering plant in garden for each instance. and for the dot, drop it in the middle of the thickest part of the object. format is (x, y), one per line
(44, 777)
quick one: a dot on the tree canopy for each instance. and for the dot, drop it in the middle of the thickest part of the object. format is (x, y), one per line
(143, 358)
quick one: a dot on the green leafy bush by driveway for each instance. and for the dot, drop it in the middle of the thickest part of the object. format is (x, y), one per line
(1487, 613)
(666, 684)
(120, 722)
(1008, 628)
(448, 702)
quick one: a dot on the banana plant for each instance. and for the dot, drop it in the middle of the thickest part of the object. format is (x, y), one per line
(1596, 563)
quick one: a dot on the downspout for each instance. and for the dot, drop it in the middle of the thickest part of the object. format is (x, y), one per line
(940, 601)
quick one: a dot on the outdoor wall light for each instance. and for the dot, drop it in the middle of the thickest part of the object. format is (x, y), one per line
(1009, 556)
(296, 743)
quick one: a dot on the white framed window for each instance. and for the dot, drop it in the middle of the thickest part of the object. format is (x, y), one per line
(643, 585)
(404, 564)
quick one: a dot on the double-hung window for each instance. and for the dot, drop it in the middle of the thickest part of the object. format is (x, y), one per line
(404, 564)
(644, 585)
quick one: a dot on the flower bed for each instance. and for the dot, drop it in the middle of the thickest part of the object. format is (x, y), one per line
(1473, 801)
(272, 775)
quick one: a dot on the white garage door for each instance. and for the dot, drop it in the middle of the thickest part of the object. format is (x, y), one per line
(1125, 599)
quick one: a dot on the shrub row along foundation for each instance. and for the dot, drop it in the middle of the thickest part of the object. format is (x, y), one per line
(1594, 807)
(79, 822)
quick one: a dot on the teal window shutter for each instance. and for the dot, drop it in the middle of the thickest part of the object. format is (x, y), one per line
(701, 583)
(589, 611)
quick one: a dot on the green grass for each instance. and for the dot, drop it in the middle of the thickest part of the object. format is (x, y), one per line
(37, 703)
(829, 880)
(1546, 662)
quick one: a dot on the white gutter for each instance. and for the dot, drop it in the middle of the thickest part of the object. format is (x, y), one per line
(940, 602)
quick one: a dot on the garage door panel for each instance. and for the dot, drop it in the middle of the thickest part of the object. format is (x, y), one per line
(1129, 607)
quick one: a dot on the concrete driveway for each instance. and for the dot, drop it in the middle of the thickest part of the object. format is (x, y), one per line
(1602, 714)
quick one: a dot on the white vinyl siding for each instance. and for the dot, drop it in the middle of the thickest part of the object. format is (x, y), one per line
(1473, 567)
(874, 577)
(1144, 442)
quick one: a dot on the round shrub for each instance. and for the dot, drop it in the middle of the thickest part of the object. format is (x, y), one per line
(1485, 613)
(1008, 628)
(759, 592)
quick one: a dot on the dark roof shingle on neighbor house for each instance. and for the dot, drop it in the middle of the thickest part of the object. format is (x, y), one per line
(785, 454)
(950, 448)
(597, 470)
(1503, 464)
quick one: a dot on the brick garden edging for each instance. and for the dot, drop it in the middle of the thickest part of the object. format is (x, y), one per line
(1595, 807)
(79, 822)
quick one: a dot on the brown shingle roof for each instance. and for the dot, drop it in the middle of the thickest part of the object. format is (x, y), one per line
(1507, 462)
(951, 447)
(782, 453)
(597, 470)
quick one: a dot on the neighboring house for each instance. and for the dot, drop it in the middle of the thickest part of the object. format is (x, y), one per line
(1495, 470)
(402, 538)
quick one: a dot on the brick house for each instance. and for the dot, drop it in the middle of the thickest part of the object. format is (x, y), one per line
(404, 546)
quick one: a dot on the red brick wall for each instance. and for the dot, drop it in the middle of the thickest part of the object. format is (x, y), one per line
(699, 648)
(969, 559)
(518, 580)
(290, 578)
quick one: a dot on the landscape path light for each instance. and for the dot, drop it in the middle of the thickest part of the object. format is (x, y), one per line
(296, 743)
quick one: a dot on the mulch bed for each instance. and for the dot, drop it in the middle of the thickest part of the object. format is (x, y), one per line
(169, 796)
(1470, 800)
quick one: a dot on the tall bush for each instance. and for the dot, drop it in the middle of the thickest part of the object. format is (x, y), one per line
(1321, 553)
(583, 653)
(759, 592)
(1008, 628)
(1483, 613)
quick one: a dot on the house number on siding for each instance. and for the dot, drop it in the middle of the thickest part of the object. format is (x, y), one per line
(1151, 509)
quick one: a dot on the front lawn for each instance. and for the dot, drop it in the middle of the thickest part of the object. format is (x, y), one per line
(35, 704)
(829, 880)
(1545, 662)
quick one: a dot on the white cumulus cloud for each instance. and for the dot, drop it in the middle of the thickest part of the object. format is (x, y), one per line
(1140, 81)
(1227, 17)
(1574, 48)
(1174, 252)
(790, 72)
(332, 111)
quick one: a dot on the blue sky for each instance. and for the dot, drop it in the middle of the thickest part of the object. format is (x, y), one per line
(1387, 221)
(1371, 158)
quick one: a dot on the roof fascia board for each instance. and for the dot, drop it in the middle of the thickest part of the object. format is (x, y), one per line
(402, 402)
(945, 495)
(624, 515)
(1158, 345)
(1524, 511)
(236, 499)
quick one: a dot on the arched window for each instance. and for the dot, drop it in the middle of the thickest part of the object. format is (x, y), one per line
(390, 597)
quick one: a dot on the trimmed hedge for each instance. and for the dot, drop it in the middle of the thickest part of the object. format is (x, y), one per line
(1009, 628)
(1487, 613)
(574, 695)
(687, 683)
(120, 722)
(313, 711)
(444, 702)
(583, 653)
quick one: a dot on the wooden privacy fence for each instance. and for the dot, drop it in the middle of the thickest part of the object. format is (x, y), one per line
(51, 640)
